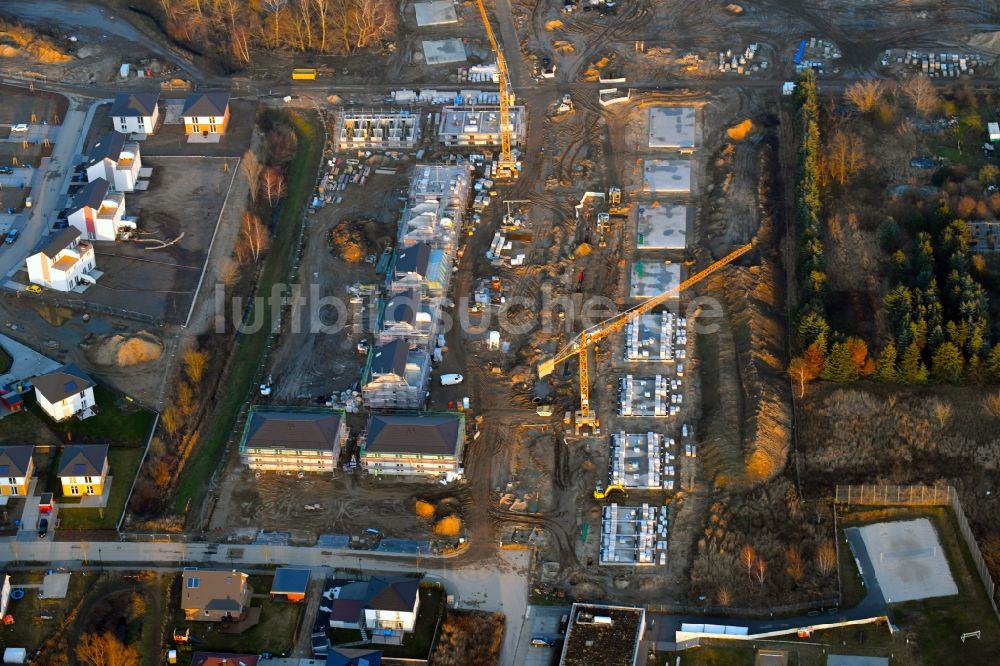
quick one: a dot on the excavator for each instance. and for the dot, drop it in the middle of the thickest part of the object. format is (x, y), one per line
(580, 345)
(506, 165)
(602, 493)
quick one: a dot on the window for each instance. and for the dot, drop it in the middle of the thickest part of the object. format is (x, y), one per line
(90, 490)
(12, 481)
(142, 122)
(194, 582)
(123, 120)
(211, 126)
(88, 479)
(74, 490)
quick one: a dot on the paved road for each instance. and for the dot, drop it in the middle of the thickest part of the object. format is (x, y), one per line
(49, 182)
(499, 584)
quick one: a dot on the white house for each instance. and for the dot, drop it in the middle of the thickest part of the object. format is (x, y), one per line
(65, 393)
(63, 262)
(206, 116)
(99, 214)
(388, 606)
(392, 604)
(136, 114)
(115, 160)
(4, 594)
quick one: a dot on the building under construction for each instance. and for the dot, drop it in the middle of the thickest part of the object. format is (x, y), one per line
(478, 126)
(377, 130)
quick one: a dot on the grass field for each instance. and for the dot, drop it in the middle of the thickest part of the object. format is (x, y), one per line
(28, 633)
(251, 347)
(124, 464)
(116, 422)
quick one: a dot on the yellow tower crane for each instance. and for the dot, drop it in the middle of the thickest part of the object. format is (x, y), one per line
(506, 165)
(580, 345)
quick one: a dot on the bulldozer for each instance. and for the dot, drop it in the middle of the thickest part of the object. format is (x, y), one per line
(602, 493)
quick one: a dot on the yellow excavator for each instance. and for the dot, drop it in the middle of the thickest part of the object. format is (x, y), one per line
(602, 493)
(580, 345)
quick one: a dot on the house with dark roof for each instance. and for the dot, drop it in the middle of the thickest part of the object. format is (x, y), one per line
(223, 659)
(385, 607)
(17, 465)
(428, 444)
(136, 114)
(420, 267)
(293, 440)
(98, 213)
(290, 583)
(116, 160)
(215, 596)
(354, 657)
(396, 376)
(206, 116)
(83, 469)
(406, 316)
(63, 262)
(65, 393)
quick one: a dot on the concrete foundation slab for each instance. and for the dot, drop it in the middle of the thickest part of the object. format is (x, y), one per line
(671, 127)
(652, 278)
(908, 559)
(642, 461)
(443, 51)
(672, 176)
(662, 227)
(435, 12)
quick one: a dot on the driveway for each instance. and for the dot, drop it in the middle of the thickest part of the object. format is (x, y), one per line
(26, 362)
(542, 622)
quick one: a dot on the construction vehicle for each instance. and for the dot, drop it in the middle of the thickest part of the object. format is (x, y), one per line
(506, 166)
(602, 493)
(580, 345)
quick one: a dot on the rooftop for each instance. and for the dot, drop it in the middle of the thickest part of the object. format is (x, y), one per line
(213, 590)
(606, 635)
(134, 105)
(206, 104)
(92, 195)
(14, 460)
(278, 429)
(53, 244)
(83, 459)
(64, 382)
(223, 659)
(413, 259)
(289, 580)
(108, 146)
(390, 358)
(431, 434)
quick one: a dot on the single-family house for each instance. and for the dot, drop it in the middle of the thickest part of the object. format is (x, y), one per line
(385, 605)
(396, 376)
(17, 466)
(422, 445)
(286, 440)
(206, 116)
(214, 596)
(290, 583)
(4, 594)
(223, 659)
(83, 469)
(65, 393)
(392, 604)
(136, 114)
(115, 160)
(353, 657)
(63, 262)
(420, 267)
(408, 317)
(99, 213)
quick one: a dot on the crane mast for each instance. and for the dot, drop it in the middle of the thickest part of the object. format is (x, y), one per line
(581, 344)
(506, 165)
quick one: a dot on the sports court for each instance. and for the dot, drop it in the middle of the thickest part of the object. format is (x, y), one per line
(908, 559)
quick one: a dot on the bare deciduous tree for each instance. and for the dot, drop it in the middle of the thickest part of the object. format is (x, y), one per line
(195, 361)
(254, 239)
(273, 184)
(922, 94)
(826, 558)
(371, 21)
(229, 272)
(865, 95)
(794, 565)
(251, 169)
(105, 650)
(760, 568)
(747, 558)
(724, 596)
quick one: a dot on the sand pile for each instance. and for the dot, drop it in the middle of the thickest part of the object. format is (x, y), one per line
(987, 41)
(121, 351)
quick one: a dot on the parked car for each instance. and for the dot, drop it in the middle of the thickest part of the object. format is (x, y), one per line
(539, 641)
(43, 528)
(12, 236)
(6, 170)
(451, 379)
(265, 388)
(19, 128)
(33, 289)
